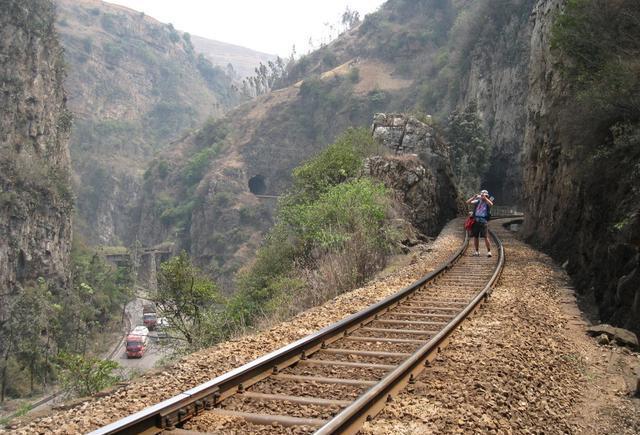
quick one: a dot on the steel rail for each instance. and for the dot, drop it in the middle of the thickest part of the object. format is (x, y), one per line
(351, 419)
(180, 408)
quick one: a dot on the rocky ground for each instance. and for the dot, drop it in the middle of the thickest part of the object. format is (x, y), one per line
(523, 364)
(202, 366)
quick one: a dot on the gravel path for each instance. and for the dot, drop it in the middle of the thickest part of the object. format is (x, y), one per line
(202, 366)
(522, 365)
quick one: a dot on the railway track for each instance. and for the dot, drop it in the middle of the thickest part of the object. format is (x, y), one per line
(332, 381)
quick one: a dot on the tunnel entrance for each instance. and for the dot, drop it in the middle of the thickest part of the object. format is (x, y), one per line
(257, 185)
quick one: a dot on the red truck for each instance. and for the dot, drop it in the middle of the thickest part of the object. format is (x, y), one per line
(137, 341)
(149, 316)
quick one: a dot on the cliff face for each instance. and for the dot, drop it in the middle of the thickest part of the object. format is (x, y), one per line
(497, 78)
(135, 86)
(35, 194)
(420, 174)
(579, 178)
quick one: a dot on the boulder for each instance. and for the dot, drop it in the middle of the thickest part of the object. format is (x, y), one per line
(622, 336)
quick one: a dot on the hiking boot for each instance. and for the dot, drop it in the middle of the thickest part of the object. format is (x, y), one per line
(489, 254)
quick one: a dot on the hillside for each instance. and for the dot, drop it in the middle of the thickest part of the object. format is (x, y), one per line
(135, 85)
(35, 196)
(405, 57)
(494, 56)
(244, 60)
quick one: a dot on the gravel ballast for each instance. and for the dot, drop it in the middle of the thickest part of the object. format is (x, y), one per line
(202, 366)
(522, 364)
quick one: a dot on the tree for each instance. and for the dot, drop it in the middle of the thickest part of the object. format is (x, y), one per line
(26, 335)
(350, 18)
(468, 145)
(84, 376)
(185, 297)
(266, 78)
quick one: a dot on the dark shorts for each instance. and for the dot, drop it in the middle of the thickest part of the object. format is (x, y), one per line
(479, 229)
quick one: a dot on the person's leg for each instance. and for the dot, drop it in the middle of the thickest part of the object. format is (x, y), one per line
(476, 242)
(487, 242)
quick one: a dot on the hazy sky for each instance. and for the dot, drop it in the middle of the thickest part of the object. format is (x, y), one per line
(271, 26)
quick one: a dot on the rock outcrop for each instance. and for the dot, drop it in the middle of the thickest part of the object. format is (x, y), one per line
(35, 195)
(420, 173)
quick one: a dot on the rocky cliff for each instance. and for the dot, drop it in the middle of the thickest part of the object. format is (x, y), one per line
(35, 194)
(135, 85)
(581, 165)
(420, 173)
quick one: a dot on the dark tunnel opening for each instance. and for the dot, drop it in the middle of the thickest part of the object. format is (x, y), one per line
(257, 185)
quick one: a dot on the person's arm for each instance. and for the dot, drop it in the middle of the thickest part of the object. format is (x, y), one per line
(487, 200)
(473, 198)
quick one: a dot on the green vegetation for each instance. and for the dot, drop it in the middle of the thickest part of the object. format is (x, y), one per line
(332, 222)
(601, 40)
(469, 147)
(339, 162)
(46, 322)
(83, 376)
(189, 301)
(600, 47)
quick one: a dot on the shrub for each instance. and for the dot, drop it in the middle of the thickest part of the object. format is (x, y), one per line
(331, 223)
(84, 376)
(198, 164)
(339, 162)
(214, 131)
(163, 169)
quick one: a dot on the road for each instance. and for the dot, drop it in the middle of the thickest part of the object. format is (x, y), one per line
(154, 352)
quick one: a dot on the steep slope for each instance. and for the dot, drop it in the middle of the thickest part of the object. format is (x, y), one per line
(582, 150)
(35, 194)
(135, 85)
(244, 60)
(428, 55)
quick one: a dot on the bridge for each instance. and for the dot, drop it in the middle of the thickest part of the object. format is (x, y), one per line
(144, 260)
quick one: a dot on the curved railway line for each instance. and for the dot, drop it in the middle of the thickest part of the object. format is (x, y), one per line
(332, 381)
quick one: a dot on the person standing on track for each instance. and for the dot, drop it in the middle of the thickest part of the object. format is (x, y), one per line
(481, 213)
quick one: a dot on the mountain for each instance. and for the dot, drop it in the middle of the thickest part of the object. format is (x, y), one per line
(36, 202)
(558, 105)
(135, 85)
(244, 60)
(410, 55)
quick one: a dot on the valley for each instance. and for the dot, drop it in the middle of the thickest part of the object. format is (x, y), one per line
(245, 193)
